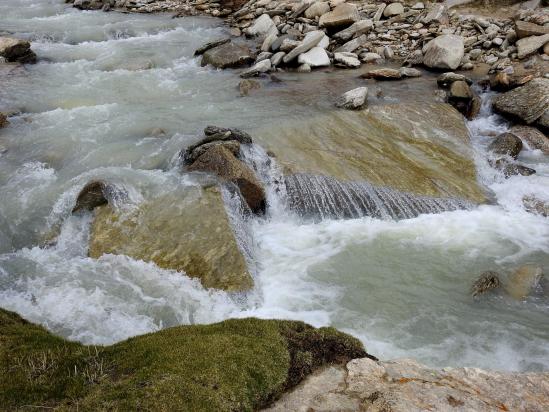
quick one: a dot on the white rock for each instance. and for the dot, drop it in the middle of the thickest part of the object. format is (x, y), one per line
(353, 99)
(444, 52)
(262, 25)
(311, 40)
(393, 9)
(262, 67)
(316, 57)
(304, 68)
(347, 59)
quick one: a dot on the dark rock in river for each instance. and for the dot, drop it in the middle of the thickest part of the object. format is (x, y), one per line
(528, 103)
(503, 82)
(227, 55)
(234, 134)
(487, 281)
(210, 45)
(92, 195)
(3, 120)
(16, 50)
(222, 162)
(506, 144)
(464, 99)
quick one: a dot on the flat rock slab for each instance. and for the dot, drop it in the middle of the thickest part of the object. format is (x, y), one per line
(227, 55)
(407, 386)
(190, 234)
(420, 148)
(342, 15)
(528, 103)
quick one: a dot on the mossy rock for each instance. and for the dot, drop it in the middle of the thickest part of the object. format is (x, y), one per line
(235, 365)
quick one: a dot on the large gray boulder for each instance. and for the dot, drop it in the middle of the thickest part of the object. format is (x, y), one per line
(262, 25)
(532, 44)
(227, 55)
(16, 50)
(444, 52)
(528, 103)
(342, 15)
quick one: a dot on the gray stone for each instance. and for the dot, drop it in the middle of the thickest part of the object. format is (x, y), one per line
(352, 45)
(312, 39)
(317, 9)
(347, 59)
(528, 103)
(210, 45)
(344, 14)
(316, 57)
(227, 55)
(532, 137)
(370, 57)
(393, 9)
(526, 29)
(406, 386)
(262, 25)
(353, 99)
(356, 29)
(261, 67)
(276, 58)
(409, 72)
(506, 144)
(444, 52)
(532, 44)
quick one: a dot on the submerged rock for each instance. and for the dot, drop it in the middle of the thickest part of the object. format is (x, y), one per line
(528, 103)
(444, 52)
(383, 74)
(210, 45)
(404, 385)
(16, 50)
(523, 280)
(536, 206)
(235, 365)
(227, 55)
(3, 120)
(353, 99)
(247, 85)
(190, 234)
(221, 162)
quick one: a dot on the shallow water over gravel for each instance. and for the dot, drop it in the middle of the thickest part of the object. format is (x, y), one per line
(88, 110)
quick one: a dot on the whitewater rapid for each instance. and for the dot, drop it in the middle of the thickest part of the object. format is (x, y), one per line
(87, 111)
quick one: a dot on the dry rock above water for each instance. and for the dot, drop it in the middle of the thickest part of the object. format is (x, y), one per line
(190, 233)
(405, 385)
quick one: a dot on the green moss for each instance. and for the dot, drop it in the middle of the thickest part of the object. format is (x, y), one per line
(235, 365)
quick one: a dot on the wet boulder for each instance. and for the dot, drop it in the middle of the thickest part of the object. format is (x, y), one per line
(529, 103)
(536, 206)
(503, 82)
(353, 99)
(219, 135)
(16, 50)
(190, 233)
(382, 74)
(444, 52)
(486, 282)
(92, 195)
(221, 162)
(227, 55)
(464, 99)
(210, 45)
(533, 137)
(246, 86)
(506, 144)
(232, 146)
(532, 44)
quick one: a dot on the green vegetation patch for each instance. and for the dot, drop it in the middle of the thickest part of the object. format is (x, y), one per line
(235, 365)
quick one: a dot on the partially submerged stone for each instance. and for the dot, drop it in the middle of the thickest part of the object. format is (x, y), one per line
(416, 148)
(506, 144)
(383, 74)
(486, 282)
(536, 206)
(16, 50)
(92, 195)
(535, 139)
(190, 234)
(353, 99)
(532, 44)
(246, 86)
(210, 45)
(446, 79)
(222, 162)
(464, 99)
(227, 55)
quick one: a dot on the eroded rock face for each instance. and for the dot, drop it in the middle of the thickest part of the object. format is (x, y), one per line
(404, 385)
(416, 148)
(444, 52)
(528, 103)
(16, 50)
(191, 234)
(227, 55)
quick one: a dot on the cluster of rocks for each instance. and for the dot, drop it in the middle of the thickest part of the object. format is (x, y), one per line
(311, 33)
(519, 284)
(16, 51)
(218, 153)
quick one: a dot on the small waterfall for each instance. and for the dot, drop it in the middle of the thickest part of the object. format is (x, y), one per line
(322, 197)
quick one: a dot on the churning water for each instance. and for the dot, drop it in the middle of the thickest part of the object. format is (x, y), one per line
(91, 109)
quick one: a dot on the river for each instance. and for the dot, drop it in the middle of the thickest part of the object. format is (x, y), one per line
(91, 108)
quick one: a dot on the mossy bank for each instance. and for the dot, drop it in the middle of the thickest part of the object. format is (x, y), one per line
(235, 365)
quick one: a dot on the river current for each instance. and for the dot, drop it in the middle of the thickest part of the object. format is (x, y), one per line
(91, 108)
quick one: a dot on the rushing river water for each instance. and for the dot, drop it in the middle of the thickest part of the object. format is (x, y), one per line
(89, 109)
